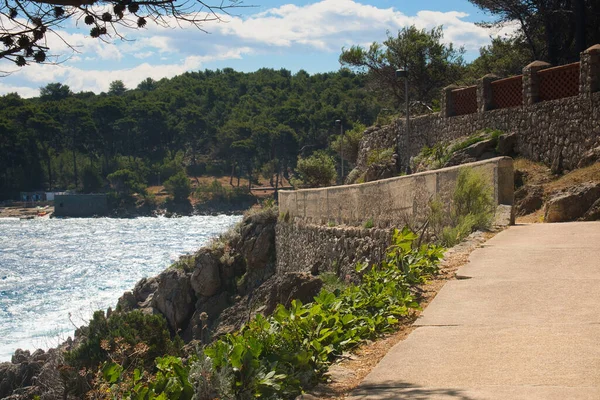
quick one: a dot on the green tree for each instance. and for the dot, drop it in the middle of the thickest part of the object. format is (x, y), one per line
(55, 91)
(91, 179)
(179, 187)
(117, 88)
(126, 182)
(554, 31)
(431, 64)
(316, 170)
(503, 57)
(351, 143)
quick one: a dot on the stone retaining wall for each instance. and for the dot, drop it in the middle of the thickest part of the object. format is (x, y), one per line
(555, 132)
(317, 249)
(324, 229)
(389, 202)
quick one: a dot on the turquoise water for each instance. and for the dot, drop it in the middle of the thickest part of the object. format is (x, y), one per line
(54, 273)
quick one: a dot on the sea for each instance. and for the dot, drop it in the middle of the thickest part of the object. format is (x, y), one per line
(54, 273)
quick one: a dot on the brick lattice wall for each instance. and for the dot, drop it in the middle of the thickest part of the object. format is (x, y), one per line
(558, 82)
(465, 100)
(507, 92)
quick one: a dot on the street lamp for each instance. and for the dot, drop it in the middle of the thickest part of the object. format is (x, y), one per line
(338, 122)
(403, 73)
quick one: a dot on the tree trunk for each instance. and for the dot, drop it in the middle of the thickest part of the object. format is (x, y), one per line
(74, 163)
(249, 179)
(232, 174)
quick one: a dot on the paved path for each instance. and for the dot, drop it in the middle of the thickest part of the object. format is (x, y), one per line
(524, 325)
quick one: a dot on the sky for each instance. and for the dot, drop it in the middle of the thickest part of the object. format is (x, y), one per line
(291, 34)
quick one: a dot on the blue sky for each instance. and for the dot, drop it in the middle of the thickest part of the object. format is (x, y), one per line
(292, 34)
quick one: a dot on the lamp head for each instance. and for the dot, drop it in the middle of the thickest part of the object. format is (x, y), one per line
(338, 122)
(401, 73)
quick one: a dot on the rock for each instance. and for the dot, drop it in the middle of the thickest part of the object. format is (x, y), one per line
(290, 286)
(572, 204)
(127, 302)
(144, 288)
(256, 246)
(477, 149)
(206, 280)
(593, 213)
(376, 172)
(458, 158)
(207, 311)
(19, 373)
(20, 356)
(528, 199)
(174, 298)
(507, 144)
(589, 157)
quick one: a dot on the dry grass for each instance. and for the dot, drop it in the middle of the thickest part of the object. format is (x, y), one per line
(574, 178)
(539, 174)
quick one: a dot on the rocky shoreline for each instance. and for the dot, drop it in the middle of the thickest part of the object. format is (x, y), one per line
(201, 296)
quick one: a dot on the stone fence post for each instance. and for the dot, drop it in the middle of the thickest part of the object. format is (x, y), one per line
(485, 98)
(531, 82)
(447, 103)
(589, 72)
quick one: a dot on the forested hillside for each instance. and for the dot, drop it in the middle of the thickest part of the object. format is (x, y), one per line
(216, 122)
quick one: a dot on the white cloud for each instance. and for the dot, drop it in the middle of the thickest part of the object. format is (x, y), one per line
(24, 91)
(322, 27)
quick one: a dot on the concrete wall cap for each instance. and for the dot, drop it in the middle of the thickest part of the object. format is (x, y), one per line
(593, 49)
(537, 64)
(451, 87)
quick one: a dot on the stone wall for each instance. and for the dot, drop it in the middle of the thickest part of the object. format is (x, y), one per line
(317, 249)
(556, 133)
(389, 202)
(324, 229)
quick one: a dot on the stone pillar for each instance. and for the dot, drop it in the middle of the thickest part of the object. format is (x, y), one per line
(447, 103)
(531, 82)
(589, 72)
(484, 93)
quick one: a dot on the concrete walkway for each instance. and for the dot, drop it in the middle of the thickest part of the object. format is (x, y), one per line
(525, 324)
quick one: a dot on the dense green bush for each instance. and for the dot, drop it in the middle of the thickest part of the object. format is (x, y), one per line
(378, 156)
(279, 356)
(179, 187)
(316, 170)
(126, 182)
(129, 328)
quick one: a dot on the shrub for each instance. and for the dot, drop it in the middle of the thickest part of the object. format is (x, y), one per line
(378, 156)
(130, 328)
(316, 170)
(126, 182)
(368, 224)
(279, 356)
(179, 186)
(472, 207)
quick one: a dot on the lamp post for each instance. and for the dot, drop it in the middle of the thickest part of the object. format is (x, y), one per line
(403, 73)
(338, 122)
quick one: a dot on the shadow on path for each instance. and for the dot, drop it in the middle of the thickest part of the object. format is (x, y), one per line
(402, 390)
